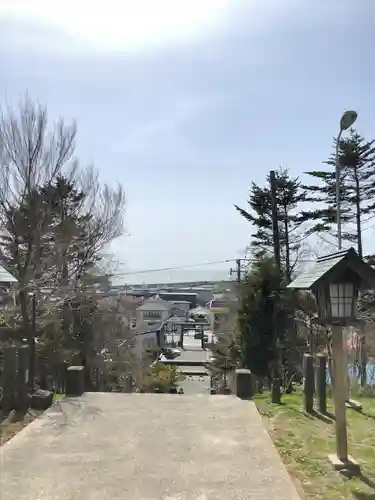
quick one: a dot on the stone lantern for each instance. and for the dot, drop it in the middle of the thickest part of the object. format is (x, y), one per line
(335, 280)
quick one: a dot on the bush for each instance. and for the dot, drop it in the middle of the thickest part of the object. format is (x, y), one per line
(162, 378)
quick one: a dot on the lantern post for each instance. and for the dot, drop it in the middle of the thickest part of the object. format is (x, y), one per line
(335, 281)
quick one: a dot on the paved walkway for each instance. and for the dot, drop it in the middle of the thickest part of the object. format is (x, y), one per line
(144, 447)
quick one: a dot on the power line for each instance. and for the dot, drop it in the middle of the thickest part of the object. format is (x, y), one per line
(174, 268)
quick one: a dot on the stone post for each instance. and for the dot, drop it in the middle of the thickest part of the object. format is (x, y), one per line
(129, 383)
(75, 381)
(276, 391)
(21, 402)
(244, 384)
(321, 382)
(308, 385)
(9, 378)
(182, 337)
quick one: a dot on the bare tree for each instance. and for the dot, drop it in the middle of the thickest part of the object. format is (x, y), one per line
(50, 246)
(30, 155)
(33, 155)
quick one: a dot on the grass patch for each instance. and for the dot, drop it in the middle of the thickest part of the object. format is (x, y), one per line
(304, 442)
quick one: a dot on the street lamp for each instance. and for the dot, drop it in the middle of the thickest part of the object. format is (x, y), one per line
(347, 120)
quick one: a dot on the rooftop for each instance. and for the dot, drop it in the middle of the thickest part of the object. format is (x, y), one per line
(155, 304)
(6, 277)
(148, 328)
(330, 267)
(217, 303)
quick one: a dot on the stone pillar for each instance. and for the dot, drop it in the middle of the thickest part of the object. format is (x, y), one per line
(182, 337)
(308, 383)
(21, 402)
(75, 381)
(9, 378)
(129, 383)
(321, 382)
(244, 384)
(276, 391)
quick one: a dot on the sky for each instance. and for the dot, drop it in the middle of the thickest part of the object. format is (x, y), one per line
(186, 102)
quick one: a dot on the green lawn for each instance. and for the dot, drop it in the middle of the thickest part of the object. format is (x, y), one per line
(304, 442)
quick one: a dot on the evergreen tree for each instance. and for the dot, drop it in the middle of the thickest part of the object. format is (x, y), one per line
(45, 245)
(289, 194)
(262, 319)
(357, 190)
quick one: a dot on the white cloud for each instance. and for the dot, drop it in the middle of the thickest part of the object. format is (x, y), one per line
(118, 25)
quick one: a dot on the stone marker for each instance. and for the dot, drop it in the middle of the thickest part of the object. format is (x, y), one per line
(244, 384)
(309, 385)
(41, 399)
(9, 379)
(276, 391)
(321, 382)
(22, 400)
(75, 381)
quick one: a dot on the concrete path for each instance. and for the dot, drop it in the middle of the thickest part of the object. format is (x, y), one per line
(145, 447)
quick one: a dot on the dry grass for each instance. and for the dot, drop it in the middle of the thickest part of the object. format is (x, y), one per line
(13, 423)
(304, 442)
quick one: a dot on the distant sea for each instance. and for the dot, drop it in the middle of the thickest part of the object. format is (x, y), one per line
(173, 276)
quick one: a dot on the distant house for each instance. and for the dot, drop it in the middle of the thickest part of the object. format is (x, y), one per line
(6, 278)
(183, 297)
(182, 305)
(178, 312)
(174, 324)
(153, 310)
(220, 310)
(202, 315)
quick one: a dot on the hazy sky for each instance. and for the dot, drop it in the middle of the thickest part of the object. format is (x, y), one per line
(186, 102)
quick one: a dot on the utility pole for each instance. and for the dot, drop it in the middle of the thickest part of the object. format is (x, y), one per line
(238, 265)
(275, 224)
(276, 382)
(238, 270)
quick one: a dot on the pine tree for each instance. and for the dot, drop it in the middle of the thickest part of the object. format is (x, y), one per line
(262, 319)
(289, 194)
(357, 165)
